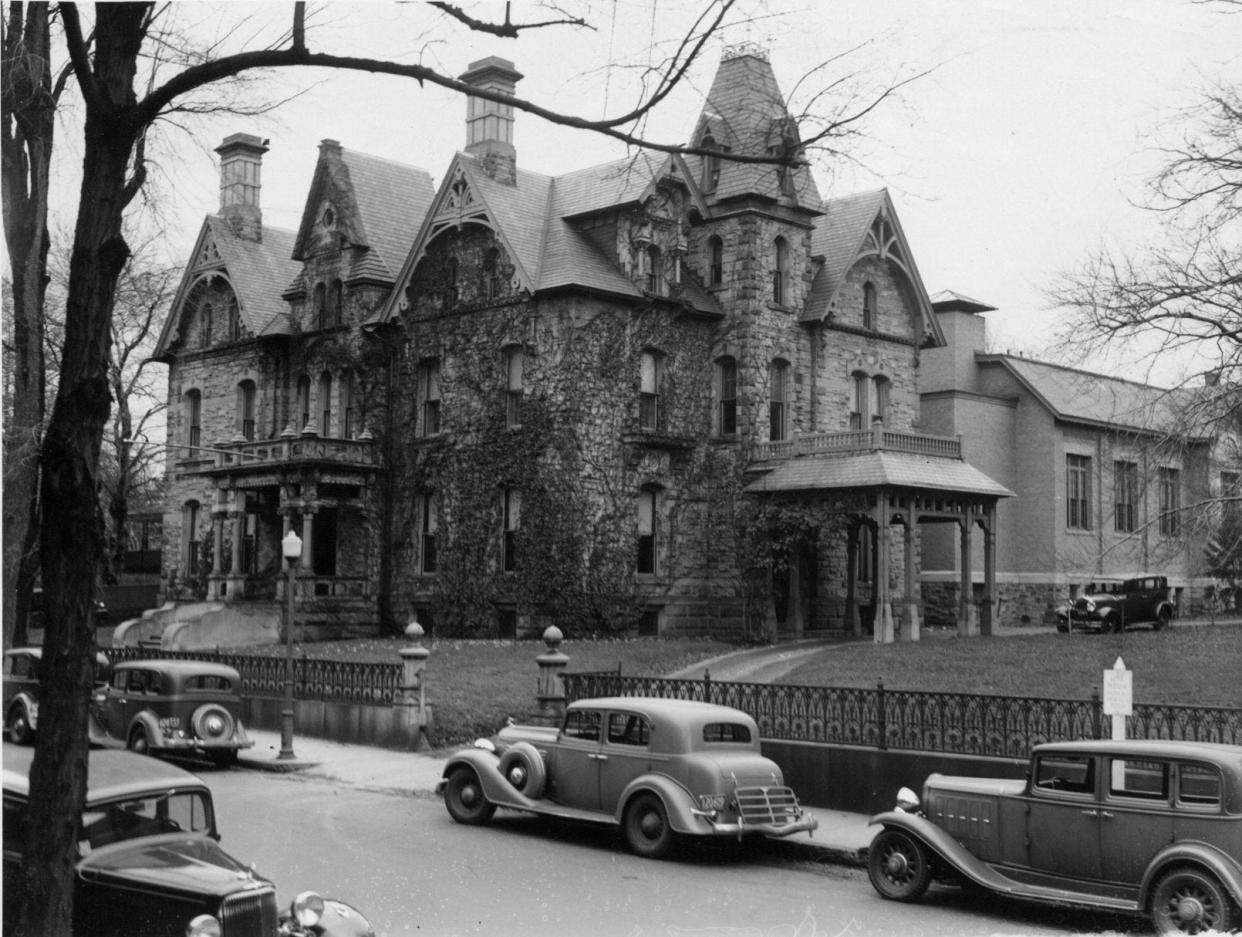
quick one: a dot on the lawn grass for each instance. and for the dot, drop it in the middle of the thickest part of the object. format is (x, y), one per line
(473, 686)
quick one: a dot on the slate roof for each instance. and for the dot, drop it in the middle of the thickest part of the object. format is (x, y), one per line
(1084, 397)
(838, 236)
(878, 469)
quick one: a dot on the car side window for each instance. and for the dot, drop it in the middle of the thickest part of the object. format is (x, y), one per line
(1073, 774)
(582, 724)
(1198, 785)
(1131, 777)
(119, 680)
(628, 729)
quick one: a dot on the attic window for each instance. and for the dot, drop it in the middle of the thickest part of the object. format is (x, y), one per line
(329, 217)
(711, 163)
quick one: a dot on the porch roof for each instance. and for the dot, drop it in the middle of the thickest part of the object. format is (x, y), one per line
(879, 469)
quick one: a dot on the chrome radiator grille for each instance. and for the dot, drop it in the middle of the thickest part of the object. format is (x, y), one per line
(249, 913)
(767, 804)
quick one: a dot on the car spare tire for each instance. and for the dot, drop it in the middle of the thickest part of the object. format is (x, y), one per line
(212, 723)
(523, 768)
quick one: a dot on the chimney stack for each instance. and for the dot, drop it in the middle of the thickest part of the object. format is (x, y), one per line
(241, 162)
(489, 124)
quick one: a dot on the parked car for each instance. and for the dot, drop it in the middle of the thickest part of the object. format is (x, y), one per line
(21, 690)
(1114, 605)
(149, 860)
(656, 768)
(1129, 826)
(171, 706)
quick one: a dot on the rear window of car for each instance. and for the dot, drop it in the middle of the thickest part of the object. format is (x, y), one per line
(726, 732)
(208, 682)
(1198, 785)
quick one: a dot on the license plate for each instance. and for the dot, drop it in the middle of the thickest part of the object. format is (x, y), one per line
(712, 801)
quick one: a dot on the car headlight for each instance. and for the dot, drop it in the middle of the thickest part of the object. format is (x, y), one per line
(203, 926)
(907, 800)
(486, 744)
(307, 908)
(1088, 606)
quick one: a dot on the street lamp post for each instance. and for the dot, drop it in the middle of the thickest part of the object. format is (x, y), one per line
(291, 549)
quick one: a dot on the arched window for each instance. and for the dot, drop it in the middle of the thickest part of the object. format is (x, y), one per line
(245, 408)
(883, 386)
(193, 421)
(510, 513)
(651, 377)
(869, 309)
(711, 164)
(780, 261)
(205, 324)
(319, 300)
(349, 412)
(190, 537)
(647, 508)
(778, 403)
(336, 302)
(726, 396)
(429, 396)
(491, 266)
(715, 273)
(860, 416)
(514, 363)
(325, 403)
(302, 404)
(234, 318)
(655, 273)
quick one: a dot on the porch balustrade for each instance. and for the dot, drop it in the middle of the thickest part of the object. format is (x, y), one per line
(859, 440)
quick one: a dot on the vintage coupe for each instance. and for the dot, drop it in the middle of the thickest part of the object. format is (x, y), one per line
(657, 768)
(1131, 826)
(149, 861)
(1114, 605)
(171, 706)
(21, 690)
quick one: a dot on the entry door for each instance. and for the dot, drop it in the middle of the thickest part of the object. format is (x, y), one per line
(323, 562)
(1063, 823)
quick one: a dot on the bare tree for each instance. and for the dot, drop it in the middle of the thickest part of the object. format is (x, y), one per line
(117, 119)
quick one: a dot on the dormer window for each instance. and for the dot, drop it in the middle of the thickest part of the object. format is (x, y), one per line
(711, 164)
(869, 306)
(654, 278)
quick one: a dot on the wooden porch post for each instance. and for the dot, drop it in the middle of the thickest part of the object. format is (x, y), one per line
(966, 625)
(853, 620)
(884, 632)
(912, 603)
(988, 612)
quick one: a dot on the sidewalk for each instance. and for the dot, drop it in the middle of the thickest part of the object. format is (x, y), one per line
(841, 839)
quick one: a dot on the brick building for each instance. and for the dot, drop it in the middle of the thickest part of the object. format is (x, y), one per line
(669, 394)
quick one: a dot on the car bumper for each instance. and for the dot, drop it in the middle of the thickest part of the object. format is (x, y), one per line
(804, 824)
(200, 745)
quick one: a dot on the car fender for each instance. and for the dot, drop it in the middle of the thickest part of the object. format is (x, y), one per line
(679, 803)
(1172, 609)
(496, 786)
(947, 849)
(343, 920)
(31, 705)
(148, 720)
(1204, 855)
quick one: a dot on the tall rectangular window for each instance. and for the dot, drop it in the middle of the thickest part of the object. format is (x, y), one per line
(883, 387)
(1078, 492)
(646, 532)
(511, 508)
(649, 391)
(726, 377)
(325, 403)
(245, 407)
(780, 260)
(716, 265)
(349, 415)
(430, 523)
(1125, 496)
(860, 416)
(778, 405)
(194, 421)
(1170, 502)
(513, 386)
(429, 394)
(191, 538)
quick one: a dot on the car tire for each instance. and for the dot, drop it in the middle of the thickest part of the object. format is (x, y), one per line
(212, 723)
(1111, 624)
(18, 724)
(138, 742)
(1188, 901)
(464, 798)
(647, 830)
(1163, 618)
(898, 865)
(523, 768)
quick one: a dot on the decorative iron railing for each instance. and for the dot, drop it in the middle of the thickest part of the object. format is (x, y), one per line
(371, 683)
(958, 723)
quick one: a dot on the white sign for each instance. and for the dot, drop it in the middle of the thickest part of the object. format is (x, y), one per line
(1118, 690)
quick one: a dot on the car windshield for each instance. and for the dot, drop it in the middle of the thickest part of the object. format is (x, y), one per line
(135, 817)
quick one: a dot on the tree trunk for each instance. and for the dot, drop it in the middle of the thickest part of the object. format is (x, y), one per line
(72, 539)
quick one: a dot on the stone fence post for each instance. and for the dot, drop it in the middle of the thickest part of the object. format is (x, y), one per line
(413, 715)
(550, 690)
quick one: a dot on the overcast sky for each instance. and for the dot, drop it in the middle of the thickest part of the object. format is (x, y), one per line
(1021, 152)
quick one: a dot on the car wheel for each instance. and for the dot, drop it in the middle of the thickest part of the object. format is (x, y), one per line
(464, 798)
(898, 865)
(1187, 901)
(647, 828)
(212, 722)
(18, 724)
(1163, 618)
(138, 741)
(523, 768)
(1110, 624)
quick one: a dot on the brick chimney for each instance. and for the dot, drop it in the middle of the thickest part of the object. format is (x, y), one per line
(489, 124)
(241, 162)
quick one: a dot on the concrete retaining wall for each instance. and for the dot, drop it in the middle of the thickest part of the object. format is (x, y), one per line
(398, 727)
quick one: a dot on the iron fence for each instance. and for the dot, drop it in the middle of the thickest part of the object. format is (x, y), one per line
(371, 683)
(955, 723)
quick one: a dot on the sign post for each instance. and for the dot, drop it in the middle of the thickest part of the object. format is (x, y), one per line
(1118, 696)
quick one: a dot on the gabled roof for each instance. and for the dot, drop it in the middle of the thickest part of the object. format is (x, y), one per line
(252, 267)
(879, 469)
(1083, 397)
(842, 236)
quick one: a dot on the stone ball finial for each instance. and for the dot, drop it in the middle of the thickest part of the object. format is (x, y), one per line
(553, 637)
(414, 631)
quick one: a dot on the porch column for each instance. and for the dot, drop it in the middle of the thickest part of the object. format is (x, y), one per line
(238, 517)
(307, 527)
(852, 619)
(884, 631)
(966, 625)
(988, 623)
(216, 578)
(912, 603)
